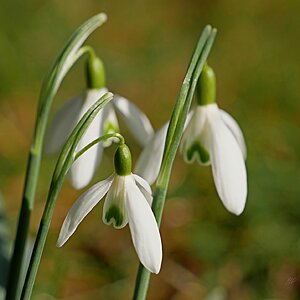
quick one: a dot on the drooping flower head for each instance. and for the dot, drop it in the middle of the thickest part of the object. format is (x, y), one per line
(105, 122)
(128, 201)
(211, 137)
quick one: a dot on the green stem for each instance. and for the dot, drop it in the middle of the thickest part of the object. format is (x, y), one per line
(100, 139)
(17, 259)
(64, 162)
(142, 283)
(174, 135)
(88, 49)
(49, 89)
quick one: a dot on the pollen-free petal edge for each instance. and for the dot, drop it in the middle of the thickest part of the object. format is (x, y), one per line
(85, 203)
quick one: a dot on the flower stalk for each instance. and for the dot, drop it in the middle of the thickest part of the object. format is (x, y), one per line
(64, 162)
(50, 86)
(173, 138)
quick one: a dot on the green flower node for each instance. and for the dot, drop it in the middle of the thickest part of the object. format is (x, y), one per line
(95, 72)
(206, 87)
(122, 160)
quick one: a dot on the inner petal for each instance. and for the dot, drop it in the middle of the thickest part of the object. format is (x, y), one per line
(114, 216)
(114, 207)
(194, 143)
(196, 151)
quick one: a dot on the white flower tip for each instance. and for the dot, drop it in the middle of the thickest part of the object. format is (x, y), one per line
(79, 175)
(59, 244)
(153, 264)
(61, 240)
(103, 16)
(65, 233)
(152, 259)
(235, 207)
(236, 210)
(156, 268)
(77, 184)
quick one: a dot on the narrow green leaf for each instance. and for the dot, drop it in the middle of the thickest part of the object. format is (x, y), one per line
(64, 162)
(173, 138)
(51, 84)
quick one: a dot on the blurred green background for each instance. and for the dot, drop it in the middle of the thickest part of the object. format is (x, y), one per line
(146, 46)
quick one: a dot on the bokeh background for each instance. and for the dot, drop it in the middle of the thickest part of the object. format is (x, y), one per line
(146, 46)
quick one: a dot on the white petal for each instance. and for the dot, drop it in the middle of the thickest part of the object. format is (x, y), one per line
(114, 211)
(194, 145)
(144, 230)
(62, 124)
(236, 130)
(110, 123)
(83, 169)
(144, 187)
(135, 119)
(188, 118)
(81, 208)
(148, 164)
(228, 166)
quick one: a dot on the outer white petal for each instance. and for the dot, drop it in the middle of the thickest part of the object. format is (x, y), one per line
(149, 162)
(114, 210)
(83, 169)
(144, 230)
(62, 124)
(81, 208)
(228, 166)
(110, 123)
(135, 119)
(145, 188)
(236, 130)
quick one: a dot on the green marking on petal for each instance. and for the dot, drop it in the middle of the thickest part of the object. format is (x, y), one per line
(197, 148)
(109, 127)
(114, 213)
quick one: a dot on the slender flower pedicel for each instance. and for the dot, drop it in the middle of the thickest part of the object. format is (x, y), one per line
(128, 200)
(106, 122)
(211, 137)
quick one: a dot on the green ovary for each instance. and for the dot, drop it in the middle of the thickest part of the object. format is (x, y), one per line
(197, 148)
(114, 213)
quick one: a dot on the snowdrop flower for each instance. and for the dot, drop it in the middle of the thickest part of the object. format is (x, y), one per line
(211, 137)
(83, 170)
(128, 200)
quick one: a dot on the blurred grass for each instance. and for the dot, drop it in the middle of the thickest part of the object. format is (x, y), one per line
(146, 46)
